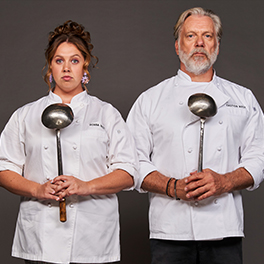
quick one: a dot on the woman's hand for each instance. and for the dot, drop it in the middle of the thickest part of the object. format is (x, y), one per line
(46, 191)
(17, 184)
(69, 185)
(110, 183)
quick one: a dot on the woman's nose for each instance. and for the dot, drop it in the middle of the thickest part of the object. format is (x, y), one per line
(66, 67)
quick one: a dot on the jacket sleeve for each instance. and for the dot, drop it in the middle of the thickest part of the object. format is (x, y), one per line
(252, 148)
(138, 123)
(12, 153)
(122, 150)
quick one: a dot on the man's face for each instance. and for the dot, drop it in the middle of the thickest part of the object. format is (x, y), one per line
(197, 45)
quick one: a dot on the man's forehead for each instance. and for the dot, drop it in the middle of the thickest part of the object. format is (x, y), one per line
(198, 23)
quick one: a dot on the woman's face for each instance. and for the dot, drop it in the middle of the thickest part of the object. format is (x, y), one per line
(67, 70)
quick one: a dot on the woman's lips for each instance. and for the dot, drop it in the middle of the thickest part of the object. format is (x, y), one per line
(66, 78)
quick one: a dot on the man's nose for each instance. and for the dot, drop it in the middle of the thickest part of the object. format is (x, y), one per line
(199, 42)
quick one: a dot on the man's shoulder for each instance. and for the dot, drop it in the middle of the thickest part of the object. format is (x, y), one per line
(229, 84)
(234, 90)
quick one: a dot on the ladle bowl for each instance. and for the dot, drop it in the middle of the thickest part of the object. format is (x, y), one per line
(202, 105)
(57, 116)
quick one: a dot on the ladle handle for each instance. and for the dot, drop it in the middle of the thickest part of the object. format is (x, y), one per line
(63, 210)
(200, 160)
(63, 217)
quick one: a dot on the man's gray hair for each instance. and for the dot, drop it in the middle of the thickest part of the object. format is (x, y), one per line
(201, 12)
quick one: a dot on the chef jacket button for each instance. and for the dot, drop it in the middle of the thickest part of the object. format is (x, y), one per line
(219, 148)
(46, 147)
(82, 105)
(196, 204)
(118, 131)
(71, 205)
(216, 201)
(49, 205)
(220, 122)
(77, 121)
(181, 102)
(190, 150)
(74, 146)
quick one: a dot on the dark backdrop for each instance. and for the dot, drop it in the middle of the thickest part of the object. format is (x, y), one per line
(135, 45)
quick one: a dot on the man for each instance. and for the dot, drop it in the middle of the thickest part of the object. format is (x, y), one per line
(197, 217)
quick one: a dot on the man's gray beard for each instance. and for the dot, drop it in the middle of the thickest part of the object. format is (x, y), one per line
(198, 65)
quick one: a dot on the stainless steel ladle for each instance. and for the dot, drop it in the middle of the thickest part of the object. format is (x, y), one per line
(58, 116)
(204, 106)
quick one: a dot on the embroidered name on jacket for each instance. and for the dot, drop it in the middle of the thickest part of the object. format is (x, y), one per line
(96, 125)
(235, 105)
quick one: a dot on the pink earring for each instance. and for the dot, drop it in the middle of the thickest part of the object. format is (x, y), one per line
(85, 78)
(50, 78)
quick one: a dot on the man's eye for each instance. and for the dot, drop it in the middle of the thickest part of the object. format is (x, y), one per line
(190, 36)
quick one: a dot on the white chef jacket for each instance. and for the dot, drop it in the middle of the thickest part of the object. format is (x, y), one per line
(167, 138)
(94, 144)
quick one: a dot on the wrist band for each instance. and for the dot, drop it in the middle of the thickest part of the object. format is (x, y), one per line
(177, 198)
(167, 187)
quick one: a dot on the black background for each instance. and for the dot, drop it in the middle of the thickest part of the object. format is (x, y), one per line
(135, 45)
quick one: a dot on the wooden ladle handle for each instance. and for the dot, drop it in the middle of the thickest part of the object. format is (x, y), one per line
(63, 210)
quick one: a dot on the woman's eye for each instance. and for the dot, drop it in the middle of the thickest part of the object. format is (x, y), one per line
(75, 61)
(59, 61)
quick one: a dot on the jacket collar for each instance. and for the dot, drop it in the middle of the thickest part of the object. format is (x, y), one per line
(81, 98)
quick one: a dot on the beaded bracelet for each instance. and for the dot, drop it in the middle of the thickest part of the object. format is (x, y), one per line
(167, 187)
(177, 198)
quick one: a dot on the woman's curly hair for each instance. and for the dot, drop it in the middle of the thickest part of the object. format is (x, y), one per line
(74, 33)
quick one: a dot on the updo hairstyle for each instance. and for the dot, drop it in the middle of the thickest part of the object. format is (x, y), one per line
(74, 33)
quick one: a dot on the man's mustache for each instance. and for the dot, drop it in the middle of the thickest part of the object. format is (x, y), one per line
(199, 50)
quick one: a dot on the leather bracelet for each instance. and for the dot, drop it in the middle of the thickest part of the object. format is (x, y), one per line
(177, 198)
(167, 187)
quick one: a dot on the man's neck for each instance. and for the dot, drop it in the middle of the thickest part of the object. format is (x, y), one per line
(205, 77)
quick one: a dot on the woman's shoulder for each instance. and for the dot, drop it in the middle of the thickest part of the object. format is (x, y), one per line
(104, 109)
(101, 104)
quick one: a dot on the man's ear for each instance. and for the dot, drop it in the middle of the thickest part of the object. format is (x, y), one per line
(177, 47)
(218, 48)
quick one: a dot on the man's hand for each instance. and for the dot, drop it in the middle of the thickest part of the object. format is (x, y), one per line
(205, 184)
(180, 190)
(209, 183)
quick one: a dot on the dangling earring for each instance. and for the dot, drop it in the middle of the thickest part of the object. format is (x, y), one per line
(85, 78)
(50, 78)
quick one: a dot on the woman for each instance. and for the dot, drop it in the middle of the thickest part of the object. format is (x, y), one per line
(98, 156)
